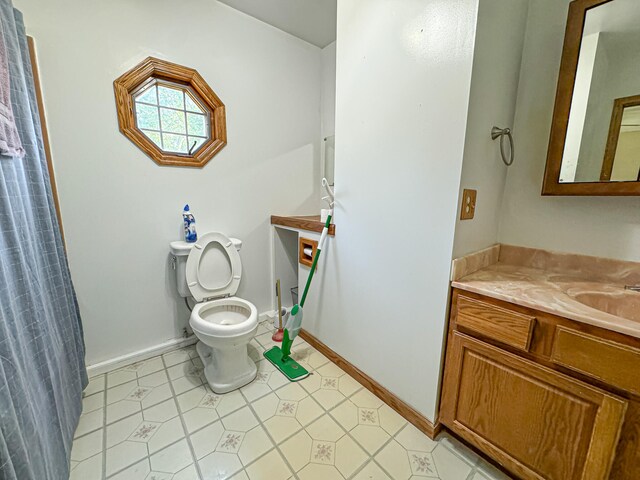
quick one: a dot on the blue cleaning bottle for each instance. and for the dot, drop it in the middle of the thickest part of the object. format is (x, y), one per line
(190, 234)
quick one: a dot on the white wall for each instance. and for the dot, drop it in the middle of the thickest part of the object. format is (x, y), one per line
(403, 80)
(627, 160)
(120, 210)
(494, 86)
(601, 226)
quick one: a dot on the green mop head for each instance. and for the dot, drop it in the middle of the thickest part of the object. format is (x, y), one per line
(289, 367)
(280, 357)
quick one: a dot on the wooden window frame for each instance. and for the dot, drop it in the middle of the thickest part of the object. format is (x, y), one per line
(150, 70)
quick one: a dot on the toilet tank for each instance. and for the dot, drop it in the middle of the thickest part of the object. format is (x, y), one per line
(180, 252)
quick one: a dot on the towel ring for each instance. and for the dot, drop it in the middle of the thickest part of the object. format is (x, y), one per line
(504, 132)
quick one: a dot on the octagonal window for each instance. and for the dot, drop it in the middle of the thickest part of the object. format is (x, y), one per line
(170, 113)
(172, 117)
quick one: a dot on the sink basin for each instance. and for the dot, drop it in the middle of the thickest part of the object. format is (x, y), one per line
(620, 303)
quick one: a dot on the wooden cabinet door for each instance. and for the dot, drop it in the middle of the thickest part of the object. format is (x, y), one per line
(538, 423)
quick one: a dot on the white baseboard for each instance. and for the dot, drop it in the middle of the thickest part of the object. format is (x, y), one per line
(129, 358)
(154, 351)
(268, 315)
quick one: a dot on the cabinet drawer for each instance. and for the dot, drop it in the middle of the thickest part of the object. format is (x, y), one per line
(506, 326)
(611, 362)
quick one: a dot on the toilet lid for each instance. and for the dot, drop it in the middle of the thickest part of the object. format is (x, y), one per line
(213, 268)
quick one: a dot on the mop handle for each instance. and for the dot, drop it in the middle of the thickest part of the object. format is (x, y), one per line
(323, 236)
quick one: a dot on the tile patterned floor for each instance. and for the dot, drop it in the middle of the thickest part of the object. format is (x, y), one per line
(158, 420)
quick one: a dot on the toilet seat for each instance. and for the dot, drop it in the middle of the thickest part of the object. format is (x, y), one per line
(218, 313)
(224, 317)
(209, 249)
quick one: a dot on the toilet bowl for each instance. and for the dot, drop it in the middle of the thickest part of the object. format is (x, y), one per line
(225, 327)
(210, 271)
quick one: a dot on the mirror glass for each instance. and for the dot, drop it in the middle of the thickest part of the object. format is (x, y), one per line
(329, 159)
(603, 132)
(622, 156)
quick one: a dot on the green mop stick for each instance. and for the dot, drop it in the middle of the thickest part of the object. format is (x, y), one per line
(295, 321)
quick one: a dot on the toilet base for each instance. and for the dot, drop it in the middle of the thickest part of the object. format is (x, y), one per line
(227, 369)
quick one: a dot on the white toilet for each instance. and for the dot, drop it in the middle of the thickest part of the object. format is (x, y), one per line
(210, 271)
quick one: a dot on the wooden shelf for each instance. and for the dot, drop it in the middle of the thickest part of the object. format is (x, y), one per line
(311, 223)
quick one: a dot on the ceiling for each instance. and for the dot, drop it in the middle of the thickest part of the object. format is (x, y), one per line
(311, 20)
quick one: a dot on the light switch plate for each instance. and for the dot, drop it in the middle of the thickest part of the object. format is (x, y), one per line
(468, 204)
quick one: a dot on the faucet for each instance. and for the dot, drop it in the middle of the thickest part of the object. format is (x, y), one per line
(633, 288)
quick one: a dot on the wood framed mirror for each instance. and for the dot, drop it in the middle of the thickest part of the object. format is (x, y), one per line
(594, 145)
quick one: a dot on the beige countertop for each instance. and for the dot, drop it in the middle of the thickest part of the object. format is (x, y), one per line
(554, 283)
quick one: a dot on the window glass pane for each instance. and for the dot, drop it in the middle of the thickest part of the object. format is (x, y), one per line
(175, 143)
(173, 118)
(148, 96)
(147, 117)
(191, 105)
(195, 143)
(172, 121)
(170, 97)
(154, 137)
(196, 124)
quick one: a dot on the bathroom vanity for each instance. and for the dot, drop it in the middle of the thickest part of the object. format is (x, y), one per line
(542, 369)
